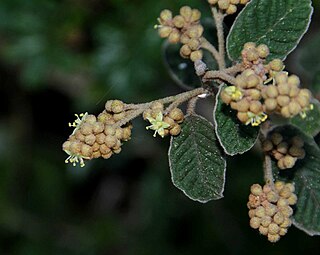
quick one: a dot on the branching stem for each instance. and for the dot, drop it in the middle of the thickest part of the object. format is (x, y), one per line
(218, 18)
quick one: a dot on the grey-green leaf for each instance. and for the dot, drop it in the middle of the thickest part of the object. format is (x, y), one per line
(280, 24)
(310, 125)
(234, 137)
(197, 164)
(306, 176)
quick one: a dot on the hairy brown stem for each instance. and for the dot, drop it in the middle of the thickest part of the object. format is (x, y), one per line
(205, 44)
(218, 18)
(138, 109)
(219, 75)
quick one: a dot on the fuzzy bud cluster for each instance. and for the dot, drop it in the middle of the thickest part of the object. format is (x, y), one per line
(229, 6)
(270, 208)
(184, 28)
(161, 123)
(285, 150)
(285, 97)
(95, 137)
(263, 88)
(245, 98)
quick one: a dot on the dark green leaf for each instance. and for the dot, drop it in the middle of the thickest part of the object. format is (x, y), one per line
(197, 164)
(234, 137)
(310, 125)
(306, 176)
(280, 24)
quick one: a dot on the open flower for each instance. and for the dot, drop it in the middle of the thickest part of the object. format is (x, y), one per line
(158, 125)
(256, 119)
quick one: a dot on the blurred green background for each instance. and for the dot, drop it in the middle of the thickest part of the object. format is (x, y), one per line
(63, 57)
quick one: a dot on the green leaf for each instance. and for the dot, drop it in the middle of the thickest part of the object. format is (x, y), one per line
(197, 164)
(306, 176)
(280, 24)
(234, 137)
(310, 125)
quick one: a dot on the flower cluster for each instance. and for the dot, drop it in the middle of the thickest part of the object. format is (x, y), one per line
(285, 150)
(229, 6)
(270, 209)
(264, 88)
(184, 28)
(95, 137)
(164, 124)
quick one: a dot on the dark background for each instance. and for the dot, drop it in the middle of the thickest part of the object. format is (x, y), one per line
(63, 57)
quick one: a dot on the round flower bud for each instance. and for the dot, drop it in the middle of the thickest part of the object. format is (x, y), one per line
(276, 138)
(298, 152)
(273, 238)
(119, 116)
(263, 50)
(110, 141)
(243, 105)
(175, 130)
(252, 55)
(283, 100)
(86, 128)
(283, 147)
(90, 139)
(174, 36)
(75, 147)
(116, 147)
(253, 81)
(272, 197)
(225, 97)
(266, 221)
(297, 141)
(273, 229)
(86, 151)
(234, 1)
(194, 44)
(286, 211)
(196, 15)
(213, 2)
(79, 136)
(294, 80)
(267, 145)
(277, 155)
(95, 146)
(294, 108)
(255, 94)
(294, 91)
(292, 200)
(196, 55)
(271, 209)
(252, 213)
(104, 117)
(104, 149)
(109, 130)
(266, 188)
(164, 31)
(234, 105)
(100, 138)
(96, 154)
(281, 78)
(283, 231)
(256, 107)
(66, 146)
(231, 9)
(176, 114)
(283, 89)
(256, 189)
(260, 211)
(276, 65)
(285, 112)
(282, 202)
(98, 127)
(185, 51)
(90, 119)
(306, 93)
(263, 230)
(126, 134)
(302, 101)
(157, 106)
(289, 161)
(241, 81)
(255, 222)
(286, 223)
(107, 155)
(272, 91)
(278, 218)
(186, 12)
(166, 15)
(178, 21)
(223, 4)
(270, 104)
(243, 117)
(195, 31)
(119, 133)
(249, 45)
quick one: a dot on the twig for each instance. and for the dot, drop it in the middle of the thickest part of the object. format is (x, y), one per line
(219, 75)
(218, 18)
(267, 168)
(192, 105)
(205, 44)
